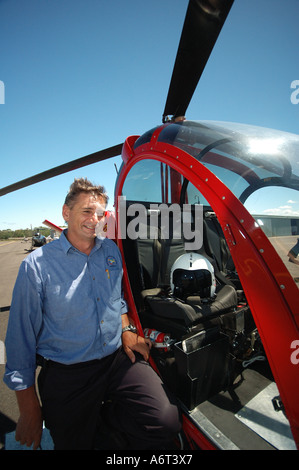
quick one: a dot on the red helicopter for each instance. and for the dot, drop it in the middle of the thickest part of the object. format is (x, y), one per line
(201, 277)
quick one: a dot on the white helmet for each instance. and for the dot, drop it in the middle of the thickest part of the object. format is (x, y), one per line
(192, 274)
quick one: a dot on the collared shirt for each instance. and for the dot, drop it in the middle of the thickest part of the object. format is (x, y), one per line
(66, 306)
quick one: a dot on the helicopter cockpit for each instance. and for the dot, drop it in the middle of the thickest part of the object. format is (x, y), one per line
(179, 211)
(259, 166)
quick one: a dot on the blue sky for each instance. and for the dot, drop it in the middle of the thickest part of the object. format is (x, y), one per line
(82, 75)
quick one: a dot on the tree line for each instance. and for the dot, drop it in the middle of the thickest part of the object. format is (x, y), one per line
(23, 233)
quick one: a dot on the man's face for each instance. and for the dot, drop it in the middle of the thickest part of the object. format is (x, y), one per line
(83, 216)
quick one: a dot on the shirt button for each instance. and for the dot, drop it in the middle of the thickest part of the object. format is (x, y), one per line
(104, 344)
(102, 321)
(98, 298)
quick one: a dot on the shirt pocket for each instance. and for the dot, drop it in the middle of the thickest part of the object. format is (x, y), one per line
(114, 277)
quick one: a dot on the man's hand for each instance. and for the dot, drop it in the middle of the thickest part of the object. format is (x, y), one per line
(133, 342)
(29, 429)
(30, 423)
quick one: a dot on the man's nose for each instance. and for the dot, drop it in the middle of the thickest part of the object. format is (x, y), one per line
(94, 217)
(97, 216)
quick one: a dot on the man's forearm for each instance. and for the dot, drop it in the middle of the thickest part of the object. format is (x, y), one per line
(27, 399)
(124, 320)
(29, 426)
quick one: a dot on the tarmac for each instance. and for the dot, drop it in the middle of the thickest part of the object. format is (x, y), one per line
(11, 255)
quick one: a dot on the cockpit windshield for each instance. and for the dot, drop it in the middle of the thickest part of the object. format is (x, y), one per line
(245, 158)
(260, 166)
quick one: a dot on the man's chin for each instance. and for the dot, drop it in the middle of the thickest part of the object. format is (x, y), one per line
(90, 234)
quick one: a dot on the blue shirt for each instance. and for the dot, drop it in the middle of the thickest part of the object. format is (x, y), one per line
(66, 306)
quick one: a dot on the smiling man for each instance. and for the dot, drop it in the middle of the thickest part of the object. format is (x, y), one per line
(82, 212)
(69, 316)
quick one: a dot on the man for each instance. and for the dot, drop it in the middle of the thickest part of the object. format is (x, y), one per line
(68, 312)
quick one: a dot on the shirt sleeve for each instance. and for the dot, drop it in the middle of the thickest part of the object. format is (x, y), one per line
(124, 305)
(24, 324)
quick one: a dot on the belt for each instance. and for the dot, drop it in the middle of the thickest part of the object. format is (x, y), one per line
(43, 362)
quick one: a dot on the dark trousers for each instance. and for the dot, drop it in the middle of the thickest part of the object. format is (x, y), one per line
(141, 408)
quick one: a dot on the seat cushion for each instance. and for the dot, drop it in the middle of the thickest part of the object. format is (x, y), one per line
(194, 309)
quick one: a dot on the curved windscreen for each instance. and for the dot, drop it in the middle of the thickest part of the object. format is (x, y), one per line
(245, 158)
(260, 166)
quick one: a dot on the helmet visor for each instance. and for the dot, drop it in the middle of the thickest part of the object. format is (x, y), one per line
(196, 282)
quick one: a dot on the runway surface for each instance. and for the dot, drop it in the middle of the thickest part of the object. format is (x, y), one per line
(11, 255)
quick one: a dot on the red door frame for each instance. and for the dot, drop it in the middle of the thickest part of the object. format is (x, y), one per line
(270, 290)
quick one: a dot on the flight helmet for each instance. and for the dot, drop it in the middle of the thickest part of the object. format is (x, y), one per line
(192, 274)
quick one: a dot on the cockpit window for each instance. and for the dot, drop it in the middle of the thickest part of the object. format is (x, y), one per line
(143, 182)
(244, 158)
(260, 166)
(151, 181)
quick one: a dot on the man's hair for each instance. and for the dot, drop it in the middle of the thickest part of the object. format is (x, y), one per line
(83, 185)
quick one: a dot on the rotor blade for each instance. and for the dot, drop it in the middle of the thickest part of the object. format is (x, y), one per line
(70, 166)
(203, 23)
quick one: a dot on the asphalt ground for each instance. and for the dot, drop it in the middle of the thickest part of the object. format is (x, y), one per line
(11, 255)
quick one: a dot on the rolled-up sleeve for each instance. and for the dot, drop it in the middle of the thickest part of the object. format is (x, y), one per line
(24, 324)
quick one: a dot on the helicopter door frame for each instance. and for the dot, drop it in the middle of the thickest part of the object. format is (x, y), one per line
(269, 288)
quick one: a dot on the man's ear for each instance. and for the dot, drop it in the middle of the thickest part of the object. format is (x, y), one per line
(65, 212)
